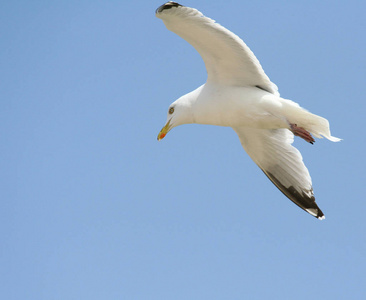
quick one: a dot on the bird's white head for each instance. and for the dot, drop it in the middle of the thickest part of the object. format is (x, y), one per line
(179, 112)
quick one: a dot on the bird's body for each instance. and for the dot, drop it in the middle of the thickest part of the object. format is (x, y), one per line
(252, 107)
(239, 94)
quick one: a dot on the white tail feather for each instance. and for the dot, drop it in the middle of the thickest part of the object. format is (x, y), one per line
(319, 127)
(316, 125)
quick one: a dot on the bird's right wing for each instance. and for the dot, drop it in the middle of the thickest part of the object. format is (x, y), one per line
(228, 60)
(272, 151)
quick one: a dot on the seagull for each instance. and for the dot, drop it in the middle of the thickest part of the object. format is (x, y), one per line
(240, 95)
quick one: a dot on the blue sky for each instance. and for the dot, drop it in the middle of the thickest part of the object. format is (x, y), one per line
(93, 207)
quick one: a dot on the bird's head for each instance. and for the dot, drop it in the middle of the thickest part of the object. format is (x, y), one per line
(179, 113)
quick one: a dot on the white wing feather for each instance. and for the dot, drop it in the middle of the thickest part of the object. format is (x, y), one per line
(272, 151)
(228, 60)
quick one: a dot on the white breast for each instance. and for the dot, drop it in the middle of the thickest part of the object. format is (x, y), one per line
(236, 106)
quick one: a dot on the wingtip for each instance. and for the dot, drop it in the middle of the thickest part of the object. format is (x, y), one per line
(167, 5)
(320, 215)
(316, 212)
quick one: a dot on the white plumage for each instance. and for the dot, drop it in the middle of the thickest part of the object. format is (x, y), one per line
(239, 94)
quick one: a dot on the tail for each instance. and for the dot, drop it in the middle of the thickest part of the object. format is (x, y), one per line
(319, 127)
(316, 125)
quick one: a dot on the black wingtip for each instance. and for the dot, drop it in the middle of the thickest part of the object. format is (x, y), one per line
(314, 211)
(303, 200)
(320, 215)
(167, 5)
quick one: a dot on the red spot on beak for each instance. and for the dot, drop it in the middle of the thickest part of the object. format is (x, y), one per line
(161, 136)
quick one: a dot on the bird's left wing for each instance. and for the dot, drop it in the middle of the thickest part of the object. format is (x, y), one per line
(272, 151)
(227, 58)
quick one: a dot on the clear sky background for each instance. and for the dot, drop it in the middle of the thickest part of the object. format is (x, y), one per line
(93, 207)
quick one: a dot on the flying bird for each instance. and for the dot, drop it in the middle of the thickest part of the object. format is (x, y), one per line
(240, 95)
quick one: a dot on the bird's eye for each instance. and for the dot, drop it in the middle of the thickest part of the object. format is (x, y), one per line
(171, 110)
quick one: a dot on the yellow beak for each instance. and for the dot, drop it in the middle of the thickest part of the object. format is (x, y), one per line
(164, 130)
